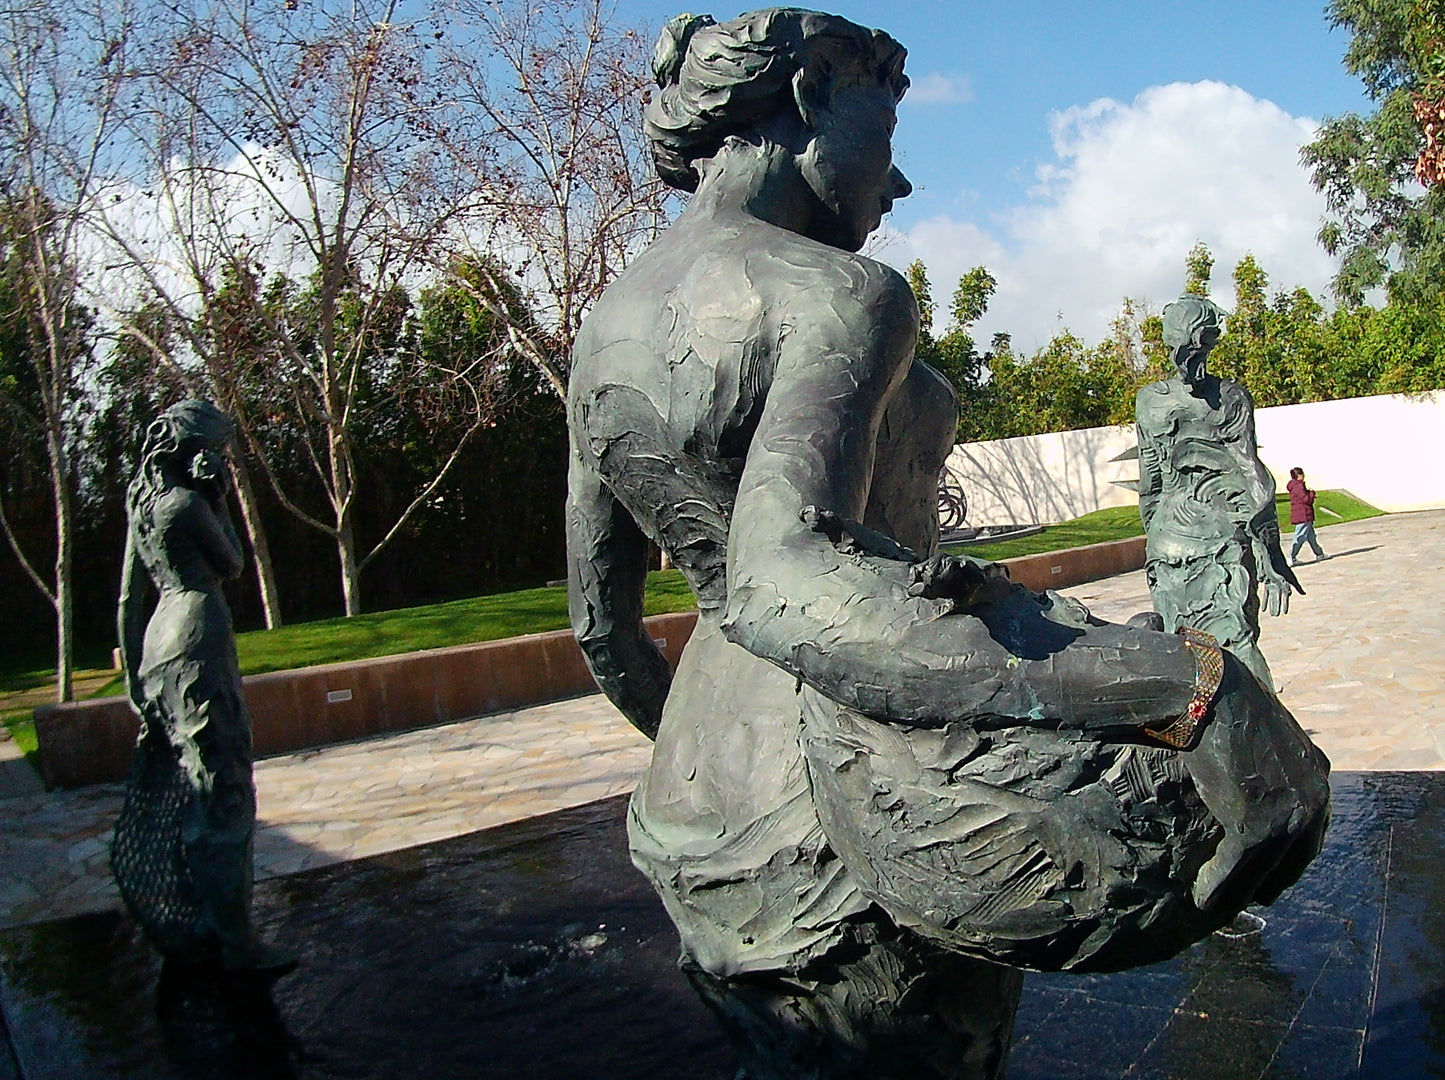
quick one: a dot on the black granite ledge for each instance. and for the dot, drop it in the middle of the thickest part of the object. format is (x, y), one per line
(535, 951)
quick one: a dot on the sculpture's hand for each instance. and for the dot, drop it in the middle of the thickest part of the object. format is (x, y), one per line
(1276, 590)
(208, 473)
(963, 581)
(137, 700)
(1278, 578)
(852, 537)
(1146, 620)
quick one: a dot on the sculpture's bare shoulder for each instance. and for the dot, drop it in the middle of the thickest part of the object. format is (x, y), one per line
(829, 284)
(1154, 402)
(794, 277)
(742, 284)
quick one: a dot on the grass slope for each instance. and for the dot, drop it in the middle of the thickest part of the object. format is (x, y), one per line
(457, 622)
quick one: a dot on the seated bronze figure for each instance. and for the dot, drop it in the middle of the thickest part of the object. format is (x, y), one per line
(880, 773)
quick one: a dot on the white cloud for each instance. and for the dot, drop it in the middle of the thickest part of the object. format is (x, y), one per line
(935, 88)
(1130, 190)
(186, 221)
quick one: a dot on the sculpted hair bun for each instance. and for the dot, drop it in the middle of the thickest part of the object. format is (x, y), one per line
(718, 79)
(672, 44)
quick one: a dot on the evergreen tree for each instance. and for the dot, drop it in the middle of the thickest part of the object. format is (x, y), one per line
(1382, 225)
(1197, 266)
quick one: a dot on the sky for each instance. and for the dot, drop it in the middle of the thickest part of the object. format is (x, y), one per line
(1078, 150)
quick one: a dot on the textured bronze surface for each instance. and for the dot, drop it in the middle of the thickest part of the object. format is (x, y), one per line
(871, 756)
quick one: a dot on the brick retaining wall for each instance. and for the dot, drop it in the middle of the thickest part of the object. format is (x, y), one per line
(1061, 569)
(90, 742)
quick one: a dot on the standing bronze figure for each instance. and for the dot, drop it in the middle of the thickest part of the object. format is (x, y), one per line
(884, 778)
(1206, 499)
(182, 850)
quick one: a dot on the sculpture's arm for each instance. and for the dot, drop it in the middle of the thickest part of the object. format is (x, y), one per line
(1263, 523)
(1151, 468)
(130, 621)
(830, 602)
(606, 577)
(915, 439)
(228, 531)
(208, 522)
(1258, 482)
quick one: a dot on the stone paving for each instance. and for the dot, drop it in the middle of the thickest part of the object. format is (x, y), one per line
(1358, 660)
(343, 802)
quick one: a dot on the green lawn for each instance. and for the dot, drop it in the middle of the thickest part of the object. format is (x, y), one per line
(33, 669)
(458, 622)
(434, 626)
(382, 633)
(1121, 522)
(487, 618)
(22, 730)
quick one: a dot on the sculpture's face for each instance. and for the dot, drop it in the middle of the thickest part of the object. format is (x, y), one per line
(1190, 360)
(207, 466)
(849, 165)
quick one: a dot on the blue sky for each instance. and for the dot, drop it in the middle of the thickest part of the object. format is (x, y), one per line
(1078, 150)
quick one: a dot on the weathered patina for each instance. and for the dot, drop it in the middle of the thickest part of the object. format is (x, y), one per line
(182, 849)
(880, 773)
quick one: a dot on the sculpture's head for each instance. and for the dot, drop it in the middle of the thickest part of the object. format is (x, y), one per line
(1192, 325)
(821, 87)
(186, 444)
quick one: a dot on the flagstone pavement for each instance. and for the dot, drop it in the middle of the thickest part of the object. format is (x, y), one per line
(1359, 660)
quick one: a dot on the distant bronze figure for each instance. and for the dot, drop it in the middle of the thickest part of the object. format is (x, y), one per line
(880, 773)
(182, 850)
(1206, 499)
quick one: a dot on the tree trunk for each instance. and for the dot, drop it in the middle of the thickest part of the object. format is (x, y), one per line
(260, 546)
(64, 645)
(350, 571)
(343, 490)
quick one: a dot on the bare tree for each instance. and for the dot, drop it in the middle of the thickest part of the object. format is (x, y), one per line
(59, 80)
(282, 141)
(540, 105)
(494, 145)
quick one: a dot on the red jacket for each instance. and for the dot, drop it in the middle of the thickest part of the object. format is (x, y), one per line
(1301, 503)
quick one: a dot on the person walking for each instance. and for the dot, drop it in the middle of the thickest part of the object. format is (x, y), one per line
(1302, 517)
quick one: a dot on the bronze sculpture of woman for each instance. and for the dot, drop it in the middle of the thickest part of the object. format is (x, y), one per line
(873, 761)
(182, 850)
(1206, 499)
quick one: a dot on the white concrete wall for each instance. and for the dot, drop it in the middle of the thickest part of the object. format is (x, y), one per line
(1041, 479)
(1388, 450)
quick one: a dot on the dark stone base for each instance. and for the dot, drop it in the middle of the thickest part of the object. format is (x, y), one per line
(535, 950)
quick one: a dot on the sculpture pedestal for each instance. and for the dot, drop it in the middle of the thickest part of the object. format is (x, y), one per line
(535, 950)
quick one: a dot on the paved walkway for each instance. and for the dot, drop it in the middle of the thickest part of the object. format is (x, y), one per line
(1358, 660)
(343, 802)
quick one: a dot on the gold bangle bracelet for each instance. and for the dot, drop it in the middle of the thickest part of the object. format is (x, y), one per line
(1208, 673)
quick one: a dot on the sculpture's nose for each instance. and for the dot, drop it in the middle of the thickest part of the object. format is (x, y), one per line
(901, 188)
